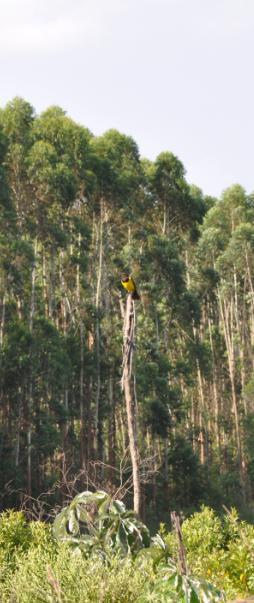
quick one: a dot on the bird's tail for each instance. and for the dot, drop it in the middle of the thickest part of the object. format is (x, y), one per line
(135, 295)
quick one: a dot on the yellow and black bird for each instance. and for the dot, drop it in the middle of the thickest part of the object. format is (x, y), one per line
(130, 285)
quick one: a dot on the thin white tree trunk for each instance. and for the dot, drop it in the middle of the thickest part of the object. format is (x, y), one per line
(127, 386)
(97, 327)
(2, 321)
(30, 388)
(226, 314)
(215, 391)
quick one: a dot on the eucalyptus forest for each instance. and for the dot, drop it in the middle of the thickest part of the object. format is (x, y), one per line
(78, 211)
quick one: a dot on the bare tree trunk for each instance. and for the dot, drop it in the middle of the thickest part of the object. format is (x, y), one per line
(2, 321)
(30, 389)
(241, 338)
(226, 314)
(44, 284)
(51, 302)
(63, 293)
(165, 218)
(252, 307)
(215, 392)
(97, 330)
(112, 429)
(127, 386)
(17, 443)
(202, 418)
(181, 550)
(202, 434)
(81, 395)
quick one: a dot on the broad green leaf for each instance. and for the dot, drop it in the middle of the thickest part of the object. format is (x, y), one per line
(73, 523)
(118, 506)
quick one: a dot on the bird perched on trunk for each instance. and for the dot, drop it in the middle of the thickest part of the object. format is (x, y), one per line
(130, 285)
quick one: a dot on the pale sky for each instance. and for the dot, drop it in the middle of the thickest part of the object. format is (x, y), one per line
(175, 75)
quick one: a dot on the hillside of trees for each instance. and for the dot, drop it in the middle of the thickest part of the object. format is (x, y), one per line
(76, 212)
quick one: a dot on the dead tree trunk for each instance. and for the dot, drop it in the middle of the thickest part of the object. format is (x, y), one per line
(128, 388)
(180, 546)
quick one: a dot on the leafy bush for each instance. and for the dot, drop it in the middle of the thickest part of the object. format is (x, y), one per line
(170, 586)
(15, 536)
(202, 533)
(221, 550)
(15, 533)
(41, 534)
(174, 588)
(102, 554)
(68, 577)
(94, 521)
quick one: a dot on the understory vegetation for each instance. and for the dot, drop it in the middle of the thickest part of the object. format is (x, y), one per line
(38, 567)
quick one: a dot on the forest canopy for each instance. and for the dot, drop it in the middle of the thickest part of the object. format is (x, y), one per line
(76, 212)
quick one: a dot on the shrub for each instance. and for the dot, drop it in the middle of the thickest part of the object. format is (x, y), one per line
(15, 536)
(41, 534)
(221, 550)
(95, 521)
(15, 533)
(68, 577)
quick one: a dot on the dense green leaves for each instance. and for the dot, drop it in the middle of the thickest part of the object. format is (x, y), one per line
(96, 523)
(76, 211)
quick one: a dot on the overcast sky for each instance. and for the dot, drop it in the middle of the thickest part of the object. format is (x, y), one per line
(176, 75)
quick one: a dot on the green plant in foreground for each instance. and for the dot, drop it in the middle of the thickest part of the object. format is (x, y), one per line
(15, 537)
(102, 552)
(169, 585)
(174, 588)
(220, 550)
(95, 521)
(68, 576)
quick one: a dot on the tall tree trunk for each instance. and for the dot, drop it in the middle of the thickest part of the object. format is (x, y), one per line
(202, 426)
(51, 301)
(226, 314)
(17, 443)
(215, 392)
(81, 397)
(44, 284)
(127, 385)
(30, 387)
(112, 430)
(252, 307)
(97, 331)
(2, 321)
(241, 339)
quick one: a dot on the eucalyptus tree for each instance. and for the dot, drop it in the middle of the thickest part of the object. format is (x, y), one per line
(16, 120)
(179, 206)
(164, 331)
(58, 168)
(116, 194)
(225, 250)
(8, 222)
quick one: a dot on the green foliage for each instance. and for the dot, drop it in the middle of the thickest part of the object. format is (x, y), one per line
(220, 550)
(76, 210)
(15, 534)
(171, 587)
(95, 522)
(16, 120)
(43, 576)
(186, 475)
(36, 567)
(202, 532)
